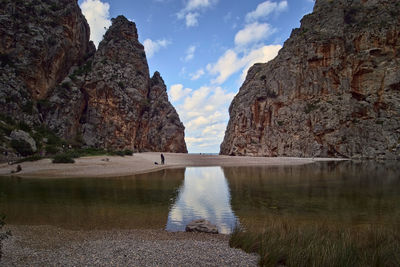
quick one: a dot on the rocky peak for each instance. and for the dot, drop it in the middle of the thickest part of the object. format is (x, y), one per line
(116, 104)
(333, 89)
(51, 75)
(122, 29)
(156, 79)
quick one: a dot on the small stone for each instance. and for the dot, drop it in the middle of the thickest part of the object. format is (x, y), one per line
(202, 226)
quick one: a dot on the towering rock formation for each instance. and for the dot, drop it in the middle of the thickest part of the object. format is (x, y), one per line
(51, 74)
(111, 102)
(333, 90)
(39, 42)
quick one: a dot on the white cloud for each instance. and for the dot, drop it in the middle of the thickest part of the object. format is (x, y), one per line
(177, 92)
(225, 66)
(192, 10)
(197, 4)
(190, 53)
(197, 74)
(204, 112)
(266, 8)
(191, 19)
(151, 47)
(253, 33)
(97, 15)
(261, 55)
(230, 62)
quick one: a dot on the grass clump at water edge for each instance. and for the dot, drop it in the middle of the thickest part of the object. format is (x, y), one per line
(291, 244)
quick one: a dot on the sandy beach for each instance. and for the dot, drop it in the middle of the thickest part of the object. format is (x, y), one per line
(112, 166)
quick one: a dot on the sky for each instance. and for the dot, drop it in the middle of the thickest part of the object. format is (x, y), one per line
(202, 49)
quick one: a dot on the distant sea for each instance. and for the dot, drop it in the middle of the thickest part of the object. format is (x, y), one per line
(203, 153)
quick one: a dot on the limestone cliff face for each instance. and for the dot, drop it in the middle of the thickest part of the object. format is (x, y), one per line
(111, 102)
(39, 42)
(333, 89)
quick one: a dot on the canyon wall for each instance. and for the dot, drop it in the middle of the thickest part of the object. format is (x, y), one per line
(332, 91)
(53, 76)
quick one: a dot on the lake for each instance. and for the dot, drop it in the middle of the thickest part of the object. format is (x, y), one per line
(348, 193)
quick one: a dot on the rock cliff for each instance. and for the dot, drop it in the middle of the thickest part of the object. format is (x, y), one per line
(40, 42)
(332, 91)
(52, 76)
(111, 102)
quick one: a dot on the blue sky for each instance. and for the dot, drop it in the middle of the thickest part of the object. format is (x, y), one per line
(203, 48)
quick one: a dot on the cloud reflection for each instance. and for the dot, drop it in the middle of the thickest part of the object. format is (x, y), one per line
(203, 195)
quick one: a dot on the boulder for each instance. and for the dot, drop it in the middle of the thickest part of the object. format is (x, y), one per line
(202, 226)
(19, 135)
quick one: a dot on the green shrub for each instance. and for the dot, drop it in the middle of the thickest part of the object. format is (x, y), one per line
(22, 147)
(73, 154)
(116, 153)
(43, 104)
(52, 149)
(91, 151)
(82, 70)
(310, 107)
(6, 128)
(63, 158)
(7, 119)
(24, 127)
(66, 85)
(128, 152)
(28, 107)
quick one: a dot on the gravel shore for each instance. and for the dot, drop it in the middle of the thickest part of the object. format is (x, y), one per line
(52, 246)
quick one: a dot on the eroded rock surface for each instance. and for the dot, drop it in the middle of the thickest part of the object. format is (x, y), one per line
(333, 90)
(52, 76)
(111, 102)
(39, 42)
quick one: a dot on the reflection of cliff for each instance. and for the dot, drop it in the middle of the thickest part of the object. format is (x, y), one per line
(346, 191)
(139, 201)
(204, 194)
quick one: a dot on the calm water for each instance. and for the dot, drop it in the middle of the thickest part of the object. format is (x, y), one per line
(344, 192)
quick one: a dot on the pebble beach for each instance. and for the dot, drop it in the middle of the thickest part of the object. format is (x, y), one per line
(52, 246)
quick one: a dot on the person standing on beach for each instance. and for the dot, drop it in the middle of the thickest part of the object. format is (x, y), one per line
(162, 159)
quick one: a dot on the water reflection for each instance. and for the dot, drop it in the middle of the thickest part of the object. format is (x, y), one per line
(204, 194)
(139, 201)
(350, 193)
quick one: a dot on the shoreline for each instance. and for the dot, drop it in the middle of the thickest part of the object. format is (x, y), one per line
(45, 245)
(117, 166)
